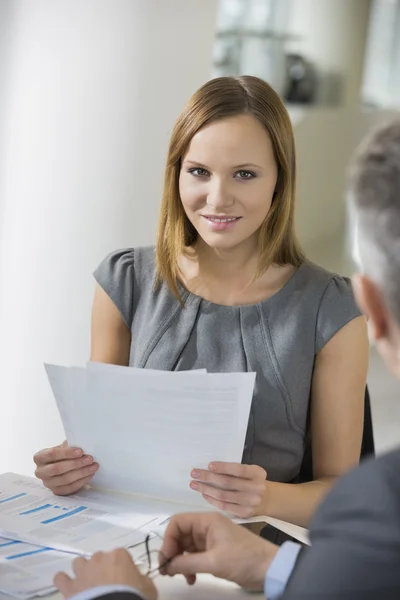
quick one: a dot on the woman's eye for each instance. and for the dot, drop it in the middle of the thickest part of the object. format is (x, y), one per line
(245, 175)
(198, 172)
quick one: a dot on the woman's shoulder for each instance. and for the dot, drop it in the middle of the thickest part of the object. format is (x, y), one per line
(135, 261)
(320, 274)
(131, 254)
(334, 301)
(313, 279)
(125, 275)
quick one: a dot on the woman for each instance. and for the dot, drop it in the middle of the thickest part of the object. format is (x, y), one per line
(228, 289)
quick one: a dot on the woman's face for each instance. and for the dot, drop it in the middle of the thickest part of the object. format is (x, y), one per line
(227, 181)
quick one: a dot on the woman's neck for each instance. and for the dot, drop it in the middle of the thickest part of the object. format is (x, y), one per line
(223, 277)
(227, 278)
(238, 263)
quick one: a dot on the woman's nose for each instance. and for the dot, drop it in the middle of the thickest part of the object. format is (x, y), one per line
(220, 197)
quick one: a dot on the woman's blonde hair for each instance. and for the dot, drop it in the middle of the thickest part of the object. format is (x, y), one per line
(218, 99)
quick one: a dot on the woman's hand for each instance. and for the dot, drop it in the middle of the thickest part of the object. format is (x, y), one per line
(240, 490)
(64, 470)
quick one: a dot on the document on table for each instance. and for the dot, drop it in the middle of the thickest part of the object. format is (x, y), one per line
(43, 533)
(27, 570)
(148, 432)
(31, 513)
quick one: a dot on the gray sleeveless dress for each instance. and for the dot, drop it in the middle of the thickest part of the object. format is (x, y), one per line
(277, 338)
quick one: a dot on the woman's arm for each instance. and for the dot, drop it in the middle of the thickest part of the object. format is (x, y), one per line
(337, 409)
(66, 470)
(111, 338)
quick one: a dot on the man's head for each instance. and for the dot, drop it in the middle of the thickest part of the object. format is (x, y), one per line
(374, 195)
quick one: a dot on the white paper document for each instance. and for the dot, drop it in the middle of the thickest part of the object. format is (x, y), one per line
(148, 430)
(30, 513)
(27, 570)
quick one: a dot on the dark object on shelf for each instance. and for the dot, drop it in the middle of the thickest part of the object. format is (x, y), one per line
(301, 80)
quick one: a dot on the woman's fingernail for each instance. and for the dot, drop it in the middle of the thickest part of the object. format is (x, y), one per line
(212, 467)
(94, 468)
(77, 452)
(195, 473)
(87, 460)
(194, 485)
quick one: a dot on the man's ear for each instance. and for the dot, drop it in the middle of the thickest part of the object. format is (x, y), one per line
(372, 304)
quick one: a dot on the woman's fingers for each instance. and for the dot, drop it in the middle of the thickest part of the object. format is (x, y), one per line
(68, 490)
(56, 469)
(236, 510)
(238, 470)
(56, 454)
(64, 470)
(225, 482)
(251, 499)
(72, 476)
(234, 488)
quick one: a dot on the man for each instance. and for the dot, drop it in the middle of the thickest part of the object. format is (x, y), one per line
(355, 534)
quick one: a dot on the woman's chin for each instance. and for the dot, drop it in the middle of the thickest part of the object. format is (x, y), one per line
(222, 242)
(219, 244)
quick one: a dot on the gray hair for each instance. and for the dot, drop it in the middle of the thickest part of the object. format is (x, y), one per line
(374, 196)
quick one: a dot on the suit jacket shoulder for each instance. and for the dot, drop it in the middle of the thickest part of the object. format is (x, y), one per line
(355, 537)
(120, 596)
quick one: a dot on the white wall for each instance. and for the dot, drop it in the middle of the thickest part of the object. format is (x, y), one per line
(95, 87)
(5, 38)
(326, 139)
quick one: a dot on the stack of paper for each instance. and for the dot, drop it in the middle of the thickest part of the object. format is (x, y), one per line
(149, 429)
(30, 513)
(41, 533)
(27, 570)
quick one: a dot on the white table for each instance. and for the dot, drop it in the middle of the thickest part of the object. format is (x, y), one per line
(208, 587)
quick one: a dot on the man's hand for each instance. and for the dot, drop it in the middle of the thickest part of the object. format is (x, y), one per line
(110, 568)
(211, 543)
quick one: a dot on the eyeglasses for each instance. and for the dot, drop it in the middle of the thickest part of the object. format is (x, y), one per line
(144, 561)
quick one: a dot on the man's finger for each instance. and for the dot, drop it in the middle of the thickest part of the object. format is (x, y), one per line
(79, 565)
(65, 584)
(185, 531)
(190, 564)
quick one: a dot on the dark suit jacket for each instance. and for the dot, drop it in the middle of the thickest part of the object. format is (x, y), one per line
(120, 596)
(355, 536)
